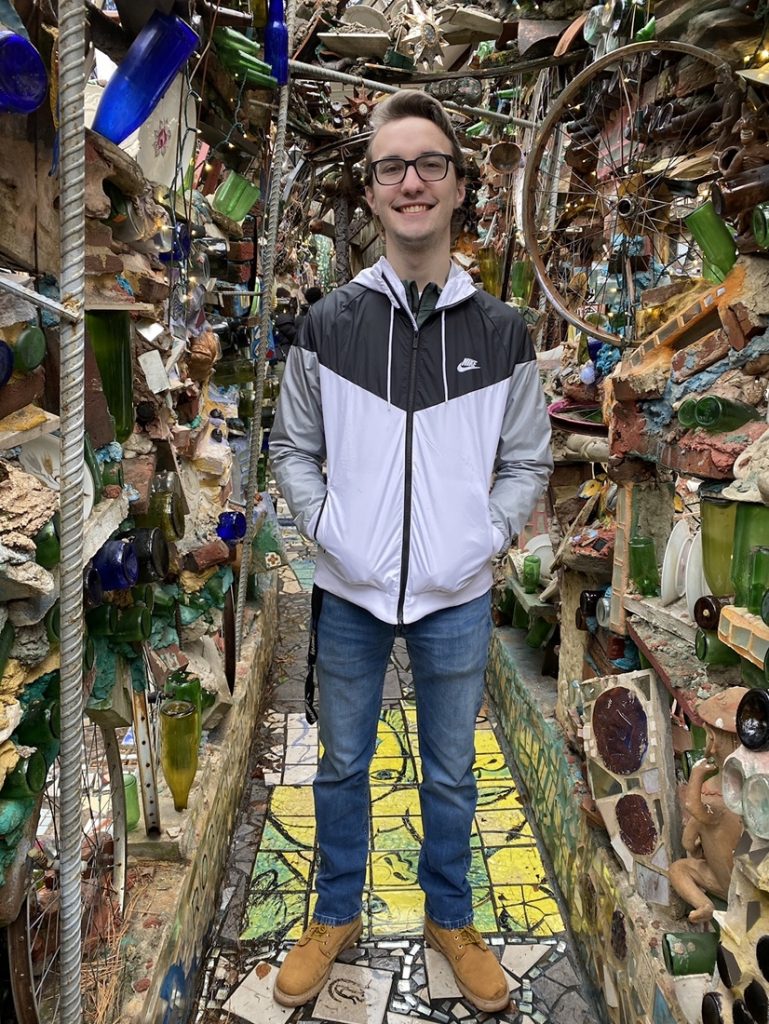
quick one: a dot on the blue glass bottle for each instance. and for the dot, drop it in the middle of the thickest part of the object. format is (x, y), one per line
(231, 527)
(23, 81)
(117, 564)
(6, 362)
(276, 42)
(162, 47)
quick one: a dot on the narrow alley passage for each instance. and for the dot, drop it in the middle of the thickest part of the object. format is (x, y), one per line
(267, 896)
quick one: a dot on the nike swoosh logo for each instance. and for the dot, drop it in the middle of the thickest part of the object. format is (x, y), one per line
(466, 365)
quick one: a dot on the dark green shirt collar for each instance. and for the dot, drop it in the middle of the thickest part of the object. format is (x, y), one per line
(421, 305)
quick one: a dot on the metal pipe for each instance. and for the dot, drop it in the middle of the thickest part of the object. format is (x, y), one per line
(311, 71)
(50, 305)
(72, 411)
(268, 275)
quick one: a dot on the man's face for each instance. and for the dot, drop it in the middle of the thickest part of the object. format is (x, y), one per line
(415, 214)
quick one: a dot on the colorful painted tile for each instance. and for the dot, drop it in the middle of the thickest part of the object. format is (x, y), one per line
(504, 828)
(497, 796)
(516, 865)
(288, 833)
(277, 916)
(392, 770)
(528, 909)
(394, 869)
(486, 742)
(396, 912)
(478, 875)
(491, 767)
(484, 911)
(292, 801)
(395, 801)
(391, 833)
(281, 870)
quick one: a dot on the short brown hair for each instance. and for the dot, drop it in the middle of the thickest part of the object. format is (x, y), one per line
(413, 103)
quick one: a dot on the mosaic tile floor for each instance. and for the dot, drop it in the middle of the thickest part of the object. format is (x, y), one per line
(390, 978)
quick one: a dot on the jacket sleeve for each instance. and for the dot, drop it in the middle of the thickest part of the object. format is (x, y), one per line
(524, 459)
(297, 441)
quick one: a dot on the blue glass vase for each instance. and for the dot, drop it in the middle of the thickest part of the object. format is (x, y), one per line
(162, 47)
(276, 42)
(23, 81)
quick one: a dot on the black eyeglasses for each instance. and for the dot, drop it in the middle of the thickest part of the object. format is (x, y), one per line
(429, 167)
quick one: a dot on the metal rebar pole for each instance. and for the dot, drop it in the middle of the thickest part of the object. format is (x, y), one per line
(268, 275)
(72, 288)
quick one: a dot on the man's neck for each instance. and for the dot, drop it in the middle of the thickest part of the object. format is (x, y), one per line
(421, 271)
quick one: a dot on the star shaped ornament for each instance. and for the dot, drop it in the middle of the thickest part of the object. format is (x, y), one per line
(424, 38)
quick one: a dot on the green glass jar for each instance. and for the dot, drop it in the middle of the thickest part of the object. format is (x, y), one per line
(686, 412)
(47, 546)
(531, 573)
(52, 623)
(181, 685)
(718, 515)
(134, 625)
(112, 474)
(27, 778)
(29, 350)
(179, 731)
(716, 414)
(712, 651)
(109, 333)
(102, 621)
(760, 225)
(144, 595)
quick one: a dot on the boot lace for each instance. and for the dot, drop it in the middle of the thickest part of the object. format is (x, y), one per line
(469, 936)
(317, 932)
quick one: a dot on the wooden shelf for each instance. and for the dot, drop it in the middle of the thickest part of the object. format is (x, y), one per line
(11, 438)
(105, 518)
(673, 618)
(531, 602)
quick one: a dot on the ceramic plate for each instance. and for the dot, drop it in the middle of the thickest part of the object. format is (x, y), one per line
(540, 545)
(673, 581)
(696, 586)
(40, 457)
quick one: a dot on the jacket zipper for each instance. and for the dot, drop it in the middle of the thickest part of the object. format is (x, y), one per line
(406, 544)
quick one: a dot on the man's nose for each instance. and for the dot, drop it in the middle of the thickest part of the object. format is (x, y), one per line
(411, 179)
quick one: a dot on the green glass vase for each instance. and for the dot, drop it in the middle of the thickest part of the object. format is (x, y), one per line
(179, 748)
(717, 515)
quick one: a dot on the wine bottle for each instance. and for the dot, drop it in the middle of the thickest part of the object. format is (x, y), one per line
(722, 414)
(276, 41)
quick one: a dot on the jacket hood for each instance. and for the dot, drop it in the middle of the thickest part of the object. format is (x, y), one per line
(383, 278)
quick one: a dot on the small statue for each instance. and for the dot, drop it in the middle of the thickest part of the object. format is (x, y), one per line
(753, 150)
(711, 832)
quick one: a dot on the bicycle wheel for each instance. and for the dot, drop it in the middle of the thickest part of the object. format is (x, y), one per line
(33, 938)
(620, 160)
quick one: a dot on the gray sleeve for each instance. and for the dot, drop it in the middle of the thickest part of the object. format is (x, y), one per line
(524, 457)
(297, 441)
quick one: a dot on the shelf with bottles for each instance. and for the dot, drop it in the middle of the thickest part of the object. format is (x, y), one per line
(672, 618)
(531, 603)
(745, 633)
(104, 520)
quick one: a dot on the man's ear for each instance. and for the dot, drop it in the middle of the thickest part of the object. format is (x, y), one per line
(369, 192)
(460, 194)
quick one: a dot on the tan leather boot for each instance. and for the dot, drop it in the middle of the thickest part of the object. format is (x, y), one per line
(477, 972)
(305, 970)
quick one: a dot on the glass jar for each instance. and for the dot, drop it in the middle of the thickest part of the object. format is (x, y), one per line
(751, 529)
(235, 196)
(690, 952)
(718, 516)
(712, 651)
(117, 565)
(112, 474)
(179, 732)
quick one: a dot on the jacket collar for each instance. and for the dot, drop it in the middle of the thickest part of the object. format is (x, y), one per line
(383, 278)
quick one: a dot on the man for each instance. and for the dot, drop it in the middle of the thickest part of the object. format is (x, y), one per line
(416, 389)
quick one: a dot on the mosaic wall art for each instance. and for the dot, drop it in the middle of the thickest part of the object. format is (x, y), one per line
(630, 769)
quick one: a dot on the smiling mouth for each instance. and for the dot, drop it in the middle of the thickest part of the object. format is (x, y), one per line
(414, 208)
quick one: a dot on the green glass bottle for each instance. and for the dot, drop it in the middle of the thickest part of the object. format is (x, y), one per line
(26, 779)
(92, 464)
(7, 636)
(134, 624)
(47, 548)
(109, 333)
(690, 952)
(53, 625)
(712, 651)
(179, 748)
(102, 621)
(181, 685)
(721, 414)
(29, 349)
(686, 412)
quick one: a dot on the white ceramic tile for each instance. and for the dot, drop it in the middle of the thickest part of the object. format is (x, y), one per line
(398, 1018)
(354, 995)
(440, 978)
(521, 957)
(252, 999)
(299, 774)
(272, 778)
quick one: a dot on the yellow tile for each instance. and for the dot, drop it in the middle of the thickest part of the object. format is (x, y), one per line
(486, 742)
(517, 865)
(504, 828)
(276, 915)
(396, 912)
(395, 801)
(496, 796)
(291, 801)
(284, 869)
(392, 770)
(491, 767)
(397, 833)
(394, 869)
(288, 832)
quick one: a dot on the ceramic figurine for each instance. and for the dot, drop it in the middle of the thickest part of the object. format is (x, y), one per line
(712, 832)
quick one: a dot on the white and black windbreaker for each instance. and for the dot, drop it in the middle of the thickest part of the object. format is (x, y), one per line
(413, 424)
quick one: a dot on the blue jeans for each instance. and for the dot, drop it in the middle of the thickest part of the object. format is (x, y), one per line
(448, 651)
